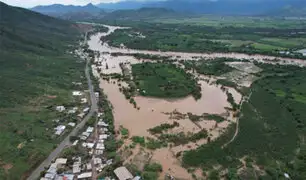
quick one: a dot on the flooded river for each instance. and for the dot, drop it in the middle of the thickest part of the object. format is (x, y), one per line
(153, 111)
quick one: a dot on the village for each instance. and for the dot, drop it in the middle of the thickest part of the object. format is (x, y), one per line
(85, 157)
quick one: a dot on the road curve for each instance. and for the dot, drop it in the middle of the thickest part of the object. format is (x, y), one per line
(66, 142)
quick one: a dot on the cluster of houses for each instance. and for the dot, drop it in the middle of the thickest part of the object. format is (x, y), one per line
(72, 111)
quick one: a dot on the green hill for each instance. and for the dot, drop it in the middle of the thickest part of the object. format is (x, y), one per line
(35, 66)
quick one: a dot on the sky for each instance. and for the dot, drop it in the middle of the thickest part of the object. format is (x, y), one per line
(32, 3)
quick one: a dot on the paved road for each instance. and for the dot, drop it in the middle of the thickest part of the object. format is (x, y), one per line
(66, 142)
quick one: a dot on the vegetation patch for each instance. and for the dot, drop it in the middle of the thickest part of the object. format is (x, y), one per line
(214, 117)
(214, 67)
(164, 80)
(163, 127)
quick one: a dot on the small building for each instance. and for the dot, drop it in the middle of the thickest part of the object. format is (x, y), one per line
(64, 177)
(99, 152)
(100, 114)
(84, 101)
(85, 175)
(60, 161)
(100, 146)
(90, 145)
(81, 115)
(60, 108)
(86, 110)
(76, 168)
(88, 166)
(59, 129)
(73, 110)
(90, 129)
(101, 123)
(103, 136)
(97, 161)
(85, 135)
(123, 174)
(75, 143)
(72, 124)
(97, 94)
(77, 93)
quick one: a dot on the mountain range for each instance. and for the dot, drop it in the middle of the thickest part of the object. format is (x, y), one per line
(69, 11)
(215, 7)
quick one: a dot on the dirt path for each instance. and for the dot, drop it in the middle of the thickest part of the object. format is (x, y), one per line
(246, 99)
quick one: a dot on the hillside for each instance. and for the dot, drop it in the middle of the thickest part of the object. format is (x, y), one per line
(35, 66)
(58, 10)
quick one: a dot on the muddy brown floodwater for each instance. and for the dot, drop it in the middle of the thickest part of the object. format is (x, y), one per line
(152, 110)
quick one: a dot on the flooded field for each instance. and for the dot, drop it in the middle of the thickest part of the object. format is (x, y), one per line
(152, 112)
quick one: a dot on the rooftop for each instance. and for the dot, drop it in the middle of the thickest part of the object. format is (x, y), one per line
(123, 174)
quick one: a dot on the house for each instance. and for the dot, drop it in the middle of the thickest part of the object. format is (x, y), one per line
(64, 177)
(101, 123)
(86, 110)
(99, 152)
(90, 129)
(83, 100)
(123, 174)
(97, 161)
(97, 95)
(100, 146)
(77, 93)
(75, 142)
(76, 168)
(85, 175)
(90, 145)
(60, 161)
(81, 115)
(85, 135)
(72, 124)
(59, 129)
(60, 108)
(73, 110)
(103, 136)
(88, 166)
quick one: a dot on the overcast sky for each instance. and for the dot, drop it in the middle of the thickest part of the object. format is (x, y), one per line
(32, 3)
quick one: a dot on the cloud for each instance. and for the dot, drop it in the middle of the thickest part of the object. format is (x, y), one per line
(32, 3)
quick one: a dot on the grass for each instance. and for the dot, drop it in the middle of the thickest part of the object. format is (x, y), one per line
(164, 80)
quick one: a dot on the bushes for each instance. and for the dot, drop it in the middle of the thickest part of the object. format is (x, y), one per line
(181, 138)
(139, 140)
(163, 127)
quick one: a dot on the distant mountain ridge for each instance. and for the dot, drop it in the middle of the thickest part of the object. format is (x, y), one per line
(215, 7)
(58, 10)
(220, 7)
